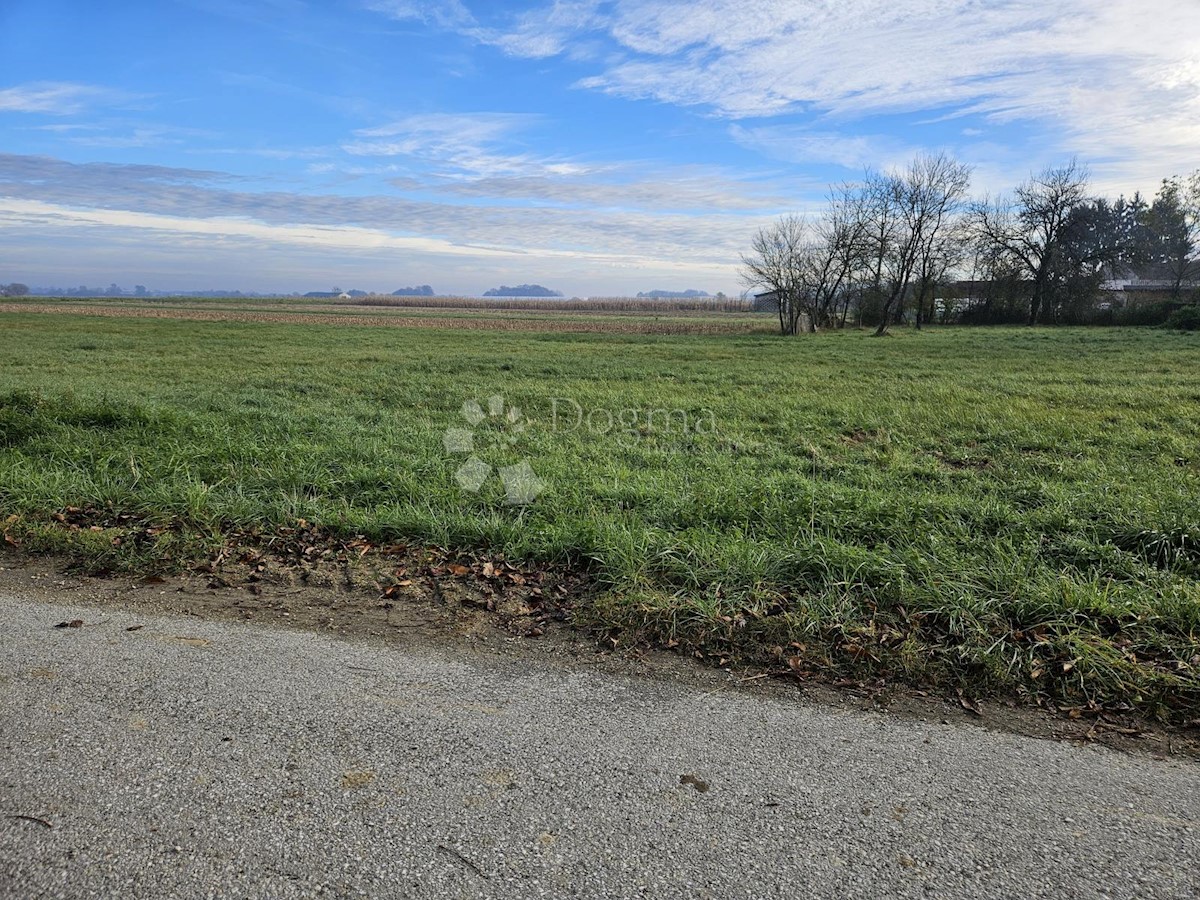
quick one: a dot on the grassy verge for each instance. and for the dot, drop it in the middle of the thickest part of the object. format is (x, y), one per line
(995, 510)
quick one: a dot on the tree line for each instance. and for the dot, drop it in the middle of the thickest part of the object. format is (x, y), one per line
(896, 247)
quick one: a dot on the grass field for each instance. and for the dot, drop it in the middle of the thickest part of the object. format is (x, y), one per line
(1012, 511)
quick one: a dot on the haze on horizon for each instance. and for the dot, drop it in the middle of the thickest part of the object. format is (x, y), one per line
(594, 147)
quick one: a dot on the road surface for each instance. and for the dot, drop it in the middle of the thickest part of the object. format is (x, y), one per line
(205, 759)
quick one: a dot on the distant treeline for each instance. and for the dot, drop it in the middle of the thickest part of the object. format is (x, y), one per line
(672, 295)
(912, 246)
(522, 290)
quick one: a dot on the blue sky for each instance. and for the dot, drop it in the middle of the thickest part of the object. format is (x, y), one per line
(598, 147)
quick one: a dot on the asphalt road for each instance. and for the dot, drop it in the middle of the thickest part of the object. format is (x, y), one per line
(204, 759)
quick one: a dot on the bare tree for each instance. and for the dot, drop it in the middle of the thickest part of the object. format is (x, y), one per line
(911, 216)
(774, 263)
(831, 262)
(1027, 230)
(948, 252)
(875, 238)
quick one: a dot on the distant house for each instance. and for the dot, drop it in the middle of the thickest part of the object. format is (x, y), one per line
(336, 295)
(1145, 285)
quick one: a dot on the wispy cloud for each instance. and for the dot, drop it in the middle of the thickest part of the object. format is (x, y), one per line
(1115, 80)
(486, 156)
(534, 34)
(57, 98)
(139, 136)
(461, 144)
(440, 130)
(185, 251)
(443, 13)
(619, 232)
(697, 189)
(546, 32)
(802, 144)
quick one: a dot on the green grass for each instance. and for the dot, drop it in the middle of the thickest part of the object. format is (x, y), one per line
(999, 510)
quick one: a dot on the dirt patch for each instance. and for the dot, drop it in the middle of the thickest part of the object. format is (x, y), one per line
(978, 463)
(303, 577)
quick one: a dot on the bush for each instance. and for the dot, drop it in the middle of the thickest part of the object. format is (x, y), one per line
(1186, 318)
(1145, 312)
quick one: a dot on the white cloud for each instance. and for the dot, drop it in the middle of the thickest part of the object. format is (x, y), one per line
(441, 128)
(699, 189)
(56, 98)
(343, 237)
(1118, 81)
(185, 252)
(800, 144)
(443, 13)
(605, 234)
(138, 136)
(461, 144)
(545, 32)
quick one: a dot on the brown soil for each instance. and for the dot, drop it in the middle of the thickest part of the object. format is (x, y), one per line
(676, 325)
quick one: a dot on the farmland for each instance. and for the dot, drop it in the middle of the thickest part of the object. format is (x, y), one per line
(1002, 511)
(645, 318)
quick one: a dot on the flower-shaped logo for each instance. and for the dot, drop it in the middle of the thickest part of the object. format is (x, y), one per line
(495, 428)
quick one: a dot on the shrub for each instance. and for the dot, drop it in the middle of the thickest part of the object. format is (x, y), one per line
(1186, 318)
(1142, 313)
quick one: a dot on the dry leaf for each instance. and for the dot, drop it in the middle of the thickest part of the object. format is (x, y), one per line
(969, 704)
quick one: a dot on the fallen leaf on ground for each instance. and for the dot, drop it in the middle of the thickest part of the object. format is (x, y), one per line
(969, 704)
(188, 641)
(357, 779)
(698, 783)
